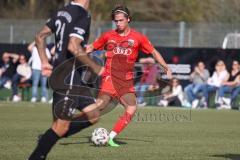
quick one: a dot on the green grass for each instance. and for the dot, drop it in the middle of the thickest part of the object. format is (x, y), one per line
(156, 133)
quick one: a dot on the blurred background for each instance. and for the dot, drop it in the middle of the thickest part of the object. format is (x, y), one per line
(168, 23)
(185, 32)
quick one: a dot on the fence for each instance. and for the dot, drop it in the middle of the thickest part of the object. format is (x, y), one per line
(209, 35)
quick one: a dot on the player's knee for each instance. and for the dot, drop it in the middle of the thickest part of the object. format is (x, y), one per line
(93, 116)
(131, 109)
(61, 128)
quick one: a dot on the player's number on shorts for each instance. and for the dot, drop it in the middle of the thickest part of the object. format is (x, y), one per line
(60, 32)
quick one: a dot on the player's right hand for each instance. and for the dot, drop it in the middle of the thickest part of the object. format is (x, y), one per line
(101, 71)
(89, 48)
(46, 69)
(169, 73)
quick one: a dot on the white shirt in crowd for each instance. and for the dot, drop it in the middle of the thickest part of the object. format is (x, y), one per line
(178, 91)
(35, 59)
(24, 70)
(217, 79)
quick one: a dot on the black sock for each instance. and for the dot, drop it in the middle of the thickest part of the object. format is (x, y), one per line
(76, 127)
(45, 144)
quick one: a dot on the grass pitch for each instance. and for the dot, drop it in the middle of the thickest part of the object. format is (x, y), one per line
(155, 134)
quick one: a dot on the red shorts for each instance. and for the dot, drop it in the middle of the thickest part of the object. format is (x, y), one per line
(115, 87)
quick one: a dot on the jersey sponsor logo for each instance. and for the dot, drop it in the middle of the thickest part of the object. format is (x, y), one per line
(80, 31)
(65, 15)
(124, 47)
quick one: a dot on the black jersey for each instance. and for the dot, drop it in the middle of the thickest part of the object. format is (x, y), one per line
(71, 20)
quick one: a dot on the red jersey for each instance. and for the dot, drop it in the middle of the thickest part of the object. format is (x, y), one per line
(121, 55)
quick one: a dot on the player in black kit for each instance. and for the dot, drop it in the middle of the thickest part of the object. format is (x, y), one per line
(71, 26)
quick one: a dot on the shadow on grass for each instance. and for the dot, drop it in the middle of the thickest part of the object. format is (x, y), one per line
(229, 156)
(121, 141)
(77, 142)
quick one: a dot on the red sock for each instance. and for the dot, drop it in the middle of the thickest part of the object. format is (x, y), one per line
(122, 122)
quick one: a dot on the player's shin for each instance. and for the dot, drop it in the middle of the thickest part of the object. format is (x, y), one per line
(45, 144)
(122, 122)
(76, 127)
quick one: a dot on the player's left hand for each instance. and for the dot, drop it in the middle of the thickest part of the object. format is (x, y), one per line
(46, 69)
(169, 73)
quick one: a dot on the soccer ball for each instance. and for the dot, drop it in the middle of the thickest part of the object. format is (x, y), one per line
(100, 136)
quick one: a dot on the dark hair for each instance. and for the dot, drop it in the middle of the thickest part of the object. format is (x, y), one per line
(121, 9)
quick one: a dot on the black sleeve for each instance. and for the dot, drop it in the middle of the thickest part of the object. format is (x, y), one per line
(51, 24)
(81, 28)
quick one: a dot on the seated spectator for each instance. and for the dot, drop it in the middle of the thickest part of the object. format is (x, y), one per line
(229, 87)
(8, 69)
(235, 93)
(36, 74)
(174, 97)
(22, 75)
(219, 76)
(198, 77)
(148, 80)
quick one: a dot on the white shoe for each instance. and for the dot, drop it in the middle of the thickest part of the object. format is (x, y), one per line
(227, 101)
(163, 103)
(16, 98)
(33, 99)
(50, 101)
(43, 100)
(142, 104)
(224, 106)
(195, 103)
(8, 85)
(220, 101)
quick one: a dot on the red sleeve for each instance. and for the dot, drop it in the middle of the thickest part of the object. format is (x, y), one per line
(146, 45)
(100, 42)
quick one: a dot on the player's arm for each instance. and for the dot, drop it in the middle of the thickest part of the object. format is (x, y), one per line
(30, 46)
(98, 44)
(74, 46)
(14, 56)
(40, 40)
(162, 62)
(147, 47)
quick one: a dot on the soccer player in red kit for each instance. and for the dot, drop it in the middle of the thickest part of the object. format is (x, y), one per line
(122, 46)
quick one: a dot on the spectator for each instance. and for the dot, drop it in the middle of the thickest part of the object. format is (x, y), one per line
(8, 69)
(36, 74)
(22, 75)
(175, 97)
(218, 78)
(229, 87)
(148, 80)
(199, 76)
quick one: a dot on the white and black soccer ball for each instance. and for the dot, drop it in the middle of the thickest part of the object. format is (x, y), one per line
(100, 136)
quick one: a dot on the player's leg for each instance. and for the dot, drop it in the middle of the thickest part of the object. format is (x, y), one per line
(129, 102)
(58, 129)
(49, 139)
(89, 115)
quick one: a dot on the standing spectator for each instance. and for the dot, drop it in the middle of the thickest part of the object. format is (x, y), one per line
(175, 96)
(8, 68)
(219, 77)
(148, 80)
(36, 74)
(198, 77)
(229, 86)
(22, 75)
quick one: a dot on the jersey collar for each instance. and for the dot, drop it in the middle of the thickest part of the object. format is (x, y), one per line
(77, 4)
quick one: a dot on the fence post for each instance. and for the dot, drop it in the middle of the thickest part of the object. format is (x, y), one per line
(11, 34)
(190, 38)
(144, 31)
(181, 34)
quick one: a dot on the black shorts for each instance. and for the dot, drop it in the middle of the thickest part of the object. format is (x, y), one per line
(64, 106)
